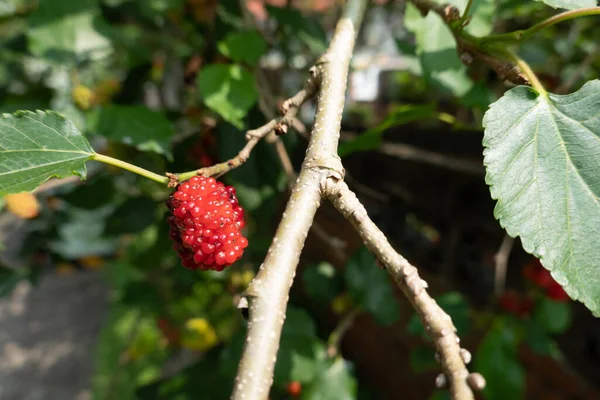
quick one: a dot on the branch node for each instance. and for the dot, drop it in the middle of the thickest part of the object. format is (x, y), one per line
(173, 180)
(441, 382)
(466, 58)
(465, 355)
(451, 13)
(243, 307)
(476, 381)
(281, 129)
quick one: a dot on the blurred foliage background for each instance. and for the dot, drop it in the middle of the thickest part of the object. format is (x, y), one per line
(172, 85)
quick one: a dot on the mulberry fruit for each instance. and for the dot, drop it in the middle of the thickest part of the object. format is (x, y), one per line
(206, 221)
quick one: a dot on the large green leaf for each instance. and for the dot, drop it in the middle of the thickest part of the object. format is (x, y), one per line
(229, 90)
(543, 166)
(370, 287)
(497, 358)
(321, 282)
(436, 46)
(570, 4)
(297, 25)
(333, 382)
(245, 47)
(138, 126)
(553, 316)
(68, 30)
(35, 147)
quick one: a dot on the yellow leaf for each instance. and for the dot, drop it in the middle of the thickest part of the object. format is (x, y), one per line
(92, 262)
(65, 268)
(82, 96)
(24, 205)
(200, 335)
(341, 303)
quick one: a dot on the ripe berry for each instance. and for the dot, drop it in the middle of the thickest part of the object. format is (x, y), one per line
(294, 388)
(206, 224)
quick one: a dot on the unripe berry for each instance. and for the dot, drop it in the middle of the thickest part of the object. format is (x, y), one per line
(206, 221)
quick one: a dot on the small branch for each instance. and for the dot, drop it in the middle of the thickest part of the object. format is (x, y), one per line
(436, 322)
(526, 34)
(528, 73)
(276, 126)
(335, 338)
(501, 260)
(465, 15)
(284, 158)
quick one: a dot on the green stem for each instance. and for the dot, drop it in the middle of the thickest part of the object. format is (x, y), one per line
(528, 72)
(523, 35)
(466, 12)
(130, 167)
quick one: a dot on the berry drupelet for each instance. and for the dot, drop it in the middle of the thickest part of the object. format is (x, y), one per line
(206, 221)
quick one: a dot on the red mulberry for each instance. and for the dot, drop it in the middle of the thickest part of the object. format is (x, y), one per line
(206, 221)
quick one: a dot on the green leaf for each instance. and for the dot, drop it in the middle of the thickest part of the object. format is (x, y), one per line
(68, 30)
(138, 126)
(126, 333)
(81, 234)
(554, 316)
(497, 358)
(158, 8)
(436, 49)
(334, 382)
(543, 166)
(320, 282)
(570, 4)
(538, 338)
(400, 115)
(371, 288)
(228, 90)
(297, 25)
(35, 147)
(243, 47)
(299, 349)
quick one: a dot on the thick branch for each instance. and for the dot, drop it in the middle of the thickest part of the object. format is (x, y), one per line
(268, 293)
(436, 322)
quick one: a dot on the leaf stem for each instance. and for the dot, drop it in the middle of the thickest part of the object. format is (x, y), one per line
(335, 338)
(466, 12)
(527, 72)
(523, 35)
(130, 167)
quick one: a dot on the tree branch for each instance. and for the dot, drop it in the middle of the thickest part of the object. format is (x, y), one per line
(436, 322)
(267, 294)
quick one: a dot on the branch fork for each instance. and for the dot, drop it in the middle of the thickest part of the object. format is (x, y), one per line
(322, 177)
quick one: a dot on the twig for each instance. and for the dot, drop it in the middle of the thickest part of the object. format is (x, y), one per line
(436, 322)
(255, 135)
(470, 47)
(335, 338)
(501, 261)
(266, 296)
